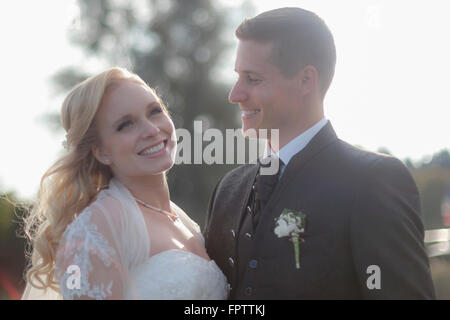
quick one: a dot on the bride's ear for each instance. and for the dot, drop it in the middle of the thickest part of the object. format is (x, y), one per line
(101, 155)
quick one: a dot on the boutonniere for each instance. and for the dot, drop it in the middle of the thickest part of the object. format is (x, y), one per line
(291, 223)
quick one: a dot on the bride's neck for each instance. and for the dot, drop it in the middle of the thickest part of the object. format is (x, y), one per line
(152, 190)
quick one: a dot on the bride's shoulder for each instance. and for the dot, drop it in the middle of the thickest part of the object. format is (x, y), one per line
(92, 228)
(102, 210)
(89, 244)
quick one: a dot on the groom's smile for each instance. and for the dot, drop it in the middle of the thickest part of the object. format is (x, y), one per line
(249, 114)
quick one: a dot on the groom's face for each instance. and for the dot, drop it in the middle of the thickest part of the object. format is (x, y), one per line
(268, 99)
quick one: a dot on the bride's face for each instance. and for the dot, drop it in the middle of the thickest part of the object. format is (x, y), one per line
(137, 136)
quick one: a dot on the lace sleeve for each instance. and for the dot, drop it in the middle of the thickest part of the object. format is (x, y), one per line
(87, 261)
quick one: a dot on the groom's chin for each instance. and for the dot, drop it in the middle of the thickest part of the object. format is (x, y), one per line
(250, 133)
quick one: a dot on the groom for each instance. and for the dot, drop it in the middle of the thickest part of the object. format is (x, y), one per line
(355, 230)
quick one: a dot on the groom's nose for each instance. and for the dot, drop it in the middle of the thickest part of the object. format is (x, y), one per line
(237, 95)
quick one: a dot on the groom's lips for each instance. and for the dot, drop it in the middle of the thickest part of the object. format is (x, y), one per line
(249, 113)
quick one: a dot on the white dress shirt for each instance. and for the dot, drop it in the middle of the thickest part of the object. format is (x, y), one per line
(296, 145)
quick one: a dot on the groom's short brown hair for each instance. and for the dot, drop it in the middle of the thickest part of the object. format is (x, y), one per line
(299, 37)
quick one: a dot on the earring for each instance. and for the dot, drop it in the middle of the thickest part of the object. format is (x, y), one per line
(107, 161)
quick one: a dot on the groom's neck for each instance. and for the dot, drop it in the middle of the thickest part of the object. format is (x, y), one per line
(304, 121)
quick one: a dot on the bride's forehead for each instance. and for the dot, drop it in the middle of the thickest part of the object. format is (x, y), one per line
(129, 90)
(125, 98)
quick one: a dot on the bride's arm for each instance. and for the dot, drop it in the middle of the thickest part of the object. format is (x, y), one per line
(88, 264)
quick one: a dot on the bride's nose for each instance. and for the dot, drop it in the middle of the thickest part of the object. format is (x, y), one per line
(150, 129)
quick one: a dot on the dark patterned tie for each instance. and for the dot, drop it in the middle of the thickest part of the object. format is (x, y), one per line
(262, 190)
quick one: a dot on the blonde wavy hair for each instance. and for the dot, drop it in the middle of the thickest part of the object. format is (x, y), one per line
(75, 179)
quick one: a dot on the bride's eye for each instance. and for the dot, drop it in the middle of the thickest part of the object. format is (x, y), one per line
(156, 110)
(123, 125)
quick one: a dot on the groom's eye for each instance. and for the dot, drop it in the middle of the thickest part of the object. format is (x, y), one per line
(252, 80)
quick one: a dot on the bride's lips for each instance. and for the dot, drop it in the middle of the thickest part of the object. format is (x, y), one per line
(154, 150)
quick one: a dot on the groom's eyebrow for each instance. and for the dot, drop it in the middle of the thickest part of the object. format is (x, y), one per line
(249, 72)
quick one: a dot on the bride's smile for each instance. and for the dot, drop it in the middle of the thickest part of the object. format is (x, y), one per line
(155, 150)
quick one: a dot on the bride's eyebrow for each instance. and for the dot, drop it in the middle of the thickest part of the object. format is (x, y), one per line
(153, 104)
(129, 116)
(121, 119)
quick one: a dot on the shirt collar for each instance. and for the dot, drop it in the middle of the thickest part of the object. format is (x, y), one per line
(297, 144)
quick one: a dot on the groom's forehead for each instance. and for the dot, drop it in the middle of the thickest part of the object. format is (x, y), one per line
(253, 57)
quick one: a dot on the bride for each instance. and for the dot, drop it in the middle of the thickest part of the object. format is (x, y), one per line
(104, 226)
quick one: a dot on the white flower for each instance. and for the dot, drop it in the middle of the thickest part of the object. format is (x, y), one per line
(291, 223)
(284, 229)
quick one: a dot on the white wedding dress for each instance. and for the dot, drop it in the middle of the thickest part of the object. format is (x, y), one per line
(105, 254)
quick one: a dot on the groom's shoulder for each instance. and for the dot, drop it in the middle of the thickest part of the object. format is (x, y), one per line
(358, 153)
(238, 174)
(233, 181)
(359, 157)
(240, 171)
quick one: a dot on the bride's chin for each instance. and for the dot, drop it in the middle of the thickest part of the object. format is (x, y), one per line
(164, 167)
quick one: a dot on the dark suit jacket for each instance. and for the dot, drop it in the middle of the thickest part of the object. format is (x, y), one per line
(362, 209)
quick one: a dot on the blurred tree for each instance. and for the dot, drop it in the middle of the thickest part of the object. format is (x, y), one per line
(384, 150)
(408, 163)
(441, 159)
(440, 271)
(12, 247)
(178, 47)
(432, 176)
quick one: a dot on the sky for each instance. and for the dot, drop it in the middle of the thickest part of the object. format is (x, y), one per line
(390, 87)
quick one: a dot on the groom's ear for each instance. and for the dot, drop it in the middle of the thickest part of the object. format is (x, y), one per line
(100, 154)
(308, 80)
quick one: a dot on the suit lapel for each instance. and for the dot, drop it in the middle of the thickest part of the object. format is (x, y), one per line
(247, 188)
(323, 138)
